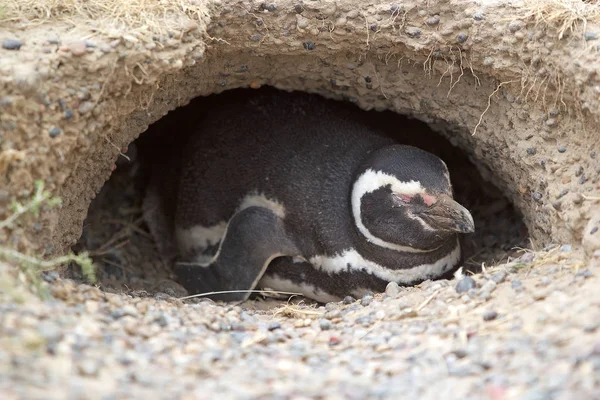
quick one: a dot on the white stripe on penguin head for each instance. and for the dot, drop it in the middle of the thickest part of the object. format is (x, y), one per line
(370, 181)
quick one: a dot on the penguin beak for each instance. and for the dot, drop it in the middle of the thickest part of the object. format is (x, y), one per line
(446, 214)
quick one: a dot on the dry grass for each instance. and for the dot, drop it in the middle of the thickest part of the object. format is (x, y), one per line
(151, 15)
(567, 16)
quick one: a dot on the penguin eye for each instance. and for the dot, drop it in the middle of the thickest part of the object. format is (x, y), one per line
(402, 198)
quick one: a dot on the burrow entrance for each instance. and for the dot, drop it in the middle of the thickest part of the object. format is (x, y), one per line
(117, 237)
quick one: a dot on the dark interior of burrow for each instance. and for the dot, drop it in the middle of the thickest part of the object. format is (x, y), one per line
(118, 239)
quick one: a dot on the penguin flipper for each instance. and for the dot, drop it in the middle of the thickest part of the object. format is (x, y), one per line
(253, 238)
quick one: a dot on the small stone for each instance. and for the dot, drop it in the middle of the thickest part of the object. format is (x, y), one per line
(490, 315)
(489, 286)
(562, 149)
(85, 107)
(565, 248)
(586, 273)
(551, 122)
(488, 61)
(557, 205)
(334, 340)
(462, 37)
(465, 284)
(537, 196)
(395, 8)
(590, 36)
(478, 16)
(68, 114)
(54, 132)
(594, 230)
(325, 325)
(78, 48)
(413, 32)
(349, 300)
(373, 27)
(274, 326)
(11, 44)
(514, 26)
(582, 179)
(366, 300)
(431, 21)
(499, 277)
(562, 193)
(531, 151)
(592, 154)
(485, 295)
(89, 44)
(309, 45)
(392, 289)
(88, 367)
(298, 9)
(162, 320)
(269, 7)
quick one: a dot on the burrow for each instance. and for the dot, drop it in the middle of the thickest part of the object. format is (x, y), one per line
(116, 235)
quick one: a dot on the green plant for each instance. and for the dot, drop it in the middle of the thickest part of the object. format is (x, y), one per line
(31, 266)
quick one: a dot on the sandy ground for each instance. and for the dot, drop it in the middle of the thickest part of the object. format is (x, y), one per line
(529, 329)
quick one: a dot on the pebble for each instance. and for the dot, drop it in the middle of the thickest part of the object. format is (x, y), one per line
(54, 132)
(488, 286)
(499, 277)
(490, 315)
(562, 149)
(465, 284)
(11, 44)
(590, 36)
(85, 107)
(565, 248)
(432, 21)
(349, 300)
(514, 26)
(366, 300)
(479, 16)
(462, 37)
(325, 325)
(586, 273)
(531, 151)
(413, 32)
(309, 45)
(537, 196)
(88, 367)
(274, 325)
(392, 289)
(78, 48)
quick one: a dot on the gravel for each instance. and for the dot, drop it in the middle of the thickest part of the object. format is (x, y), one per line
(425, 342)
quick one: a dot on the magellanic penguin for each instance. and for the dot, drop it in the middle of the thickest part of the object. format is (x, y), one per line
(294, 192)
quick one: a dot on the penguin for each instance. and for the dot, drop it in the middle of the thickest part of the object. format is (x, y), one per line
(295, 192)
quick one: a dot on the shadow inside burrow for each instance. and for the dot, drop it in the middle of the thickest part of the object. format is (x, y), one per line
(127, 260)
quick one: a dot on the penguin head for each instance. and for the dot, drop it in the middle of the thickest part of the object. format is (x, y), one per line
(402, 200)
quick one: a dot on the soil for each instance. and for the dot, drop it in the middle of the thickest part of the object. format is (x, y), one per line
(514, 85)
